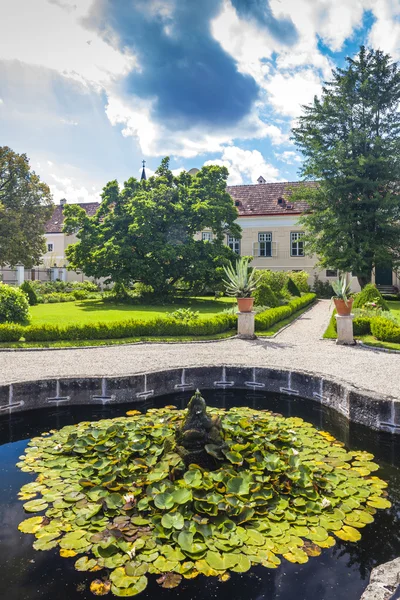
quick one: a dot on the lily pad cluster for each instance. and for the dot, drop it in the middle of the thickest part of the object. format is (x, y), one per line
(117, 496)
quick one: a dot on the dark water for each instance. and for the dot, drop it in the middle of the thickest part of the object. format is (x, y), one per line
(340, 573)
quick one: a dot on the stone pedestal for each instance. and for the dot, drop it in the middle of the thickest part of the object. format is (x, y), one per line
(246, 325)
(20, 273)
(345, 330)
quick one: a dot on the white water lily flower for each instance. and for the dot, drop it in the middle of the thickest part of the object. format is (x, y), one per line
(129, 498)
(325, 503)
(132, 553)
(295, 452)
(58, 447)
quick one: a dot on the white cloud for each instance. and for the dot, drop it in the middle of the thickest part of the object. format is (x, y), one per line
(1, 101)
(385, 32)
(51, 35)
(287, 92)
(245, 165)
(69, 188)
(68, 122)
(289, 157)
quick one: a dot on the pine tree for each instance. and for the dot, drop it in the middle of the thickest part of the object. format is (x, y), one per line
(350, 138)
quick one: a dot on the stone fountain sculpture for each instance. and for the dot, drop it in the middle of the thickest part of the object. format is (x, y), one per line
(198, 431)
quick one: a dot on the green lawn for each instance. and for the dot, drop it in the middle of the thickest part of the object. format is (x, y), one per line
(93, 311)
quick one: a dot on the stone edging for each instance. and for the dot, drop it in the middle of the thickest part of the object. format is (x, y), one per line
(384, 582)
(360, 406)
(377, 348)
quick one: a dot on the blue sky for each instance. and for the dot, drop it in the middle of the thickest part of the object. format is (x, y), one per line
(90, 87)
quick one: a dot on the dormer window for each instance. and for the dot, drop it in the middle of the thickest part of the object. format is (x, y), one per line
(261, 179)
(281, 201)
(238, 203)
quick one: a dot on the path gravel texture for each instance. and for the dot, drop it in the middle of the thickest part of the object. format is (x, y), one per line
(298, 347)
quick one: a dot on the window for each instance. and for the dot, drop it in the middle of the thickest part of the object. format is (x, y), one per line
(265, 244)
(206, 236)
(50, 247)
(331, 272)
(296, 243)
(234, 244)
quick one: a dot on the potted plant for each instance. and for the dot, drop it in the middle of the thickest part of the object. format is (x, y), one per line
(240, 283)
(342, 301)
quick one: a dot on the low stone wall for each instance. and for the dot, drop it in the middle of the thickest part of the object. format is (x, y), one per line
(365, 407)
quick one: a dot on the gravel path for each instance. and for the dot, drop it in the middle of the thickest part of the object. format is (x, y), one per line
(298, 347)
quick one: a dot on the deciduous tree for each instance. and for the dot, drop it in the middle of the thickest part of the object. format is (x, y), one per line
(145, 232)
(25, 207)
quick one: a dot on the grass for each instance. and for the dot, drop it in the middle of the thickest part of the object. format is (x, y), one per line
(368, 340)
(94, 311)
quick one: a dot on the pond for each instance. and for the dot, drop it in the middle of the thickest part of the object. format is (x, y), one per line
(339, 572)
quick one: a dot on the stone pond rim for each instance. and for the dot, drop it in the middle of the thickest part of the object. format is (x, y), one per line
(357, 405)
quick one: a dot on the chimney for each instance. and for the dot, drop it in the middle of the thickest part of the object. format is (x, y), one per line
(63, 201)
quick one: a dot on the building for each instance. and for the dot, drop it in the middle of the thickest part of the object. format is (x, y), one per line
(271, 233)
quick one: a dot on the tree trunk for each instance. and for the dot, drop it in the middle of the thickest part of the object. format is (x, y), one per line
(364, 279)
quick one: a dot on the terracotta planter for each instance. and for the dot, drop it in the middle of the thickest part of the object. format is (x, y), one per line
(342, 308)
(245, 304)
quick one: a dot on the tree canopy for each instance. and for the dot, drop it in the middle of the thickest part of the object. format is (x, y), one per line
(145, 231)
(350, 138)
(25, 207)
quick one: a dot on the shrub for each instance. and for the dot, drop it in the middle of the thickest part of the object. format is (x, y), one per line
(276, 280)
(80, 294)
(301, 280)
(185, 315)
(14, 306)
(56, 297)
(264, 296)
(391, 297)
(268, 318)
(27, 288)
(385, 330)
(11, 332)
(361, 325)
(370, 294)
(292, 288)
(323, 289)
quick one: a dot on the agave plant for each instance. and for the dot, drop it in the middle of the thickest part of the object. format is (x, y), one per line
(240, 283)
(342, 289)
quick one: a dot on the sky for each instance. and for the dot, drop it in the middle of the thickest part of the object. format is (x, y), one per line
(89, 88)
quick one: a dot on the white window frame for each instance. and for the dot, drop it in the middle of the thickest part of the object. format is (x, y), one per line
(48, 247)
(206, 236)
(295, 240)
(233, 243)
(264, 238)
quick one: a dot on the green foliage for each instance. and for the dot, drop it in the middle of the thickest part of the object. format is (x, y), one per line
(276, 280)
(146, 231)
(10, 332)
(14, 306)
(351, 143)
(292, 288)
(301, 280)
(80, 294)
(323, 289)
(116, 496)
(56, 297)
(239, 280)
(28, 289)
(385, 330)
(265, 320)
(129, 328)
(25, 207)
(370, 294)
(341, 288)
(362, 325)
(264, 296)
(184, 315)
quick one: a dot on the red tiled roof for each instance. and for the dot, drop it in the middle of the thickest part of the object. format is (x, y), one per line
(262, 198)
(255, 199)
(55, 224)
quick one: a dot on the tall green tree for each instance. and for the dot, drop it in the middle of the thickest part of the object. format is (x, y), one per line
(25, 207)
(145, 232)
(350, 138)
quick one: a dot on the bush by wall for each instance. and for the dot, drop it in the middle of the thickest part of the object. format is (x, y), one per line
(370, 294)
(264, 296)
(268, 318)
(14, 306)
(276, 280)
(28, 289)
(301, 280)
(385, 330)
(323, 289)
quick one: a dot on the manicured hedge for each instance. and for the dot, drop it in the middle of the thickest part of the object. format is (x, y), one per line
(271, 316)
(156, 327)
(385, 330)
